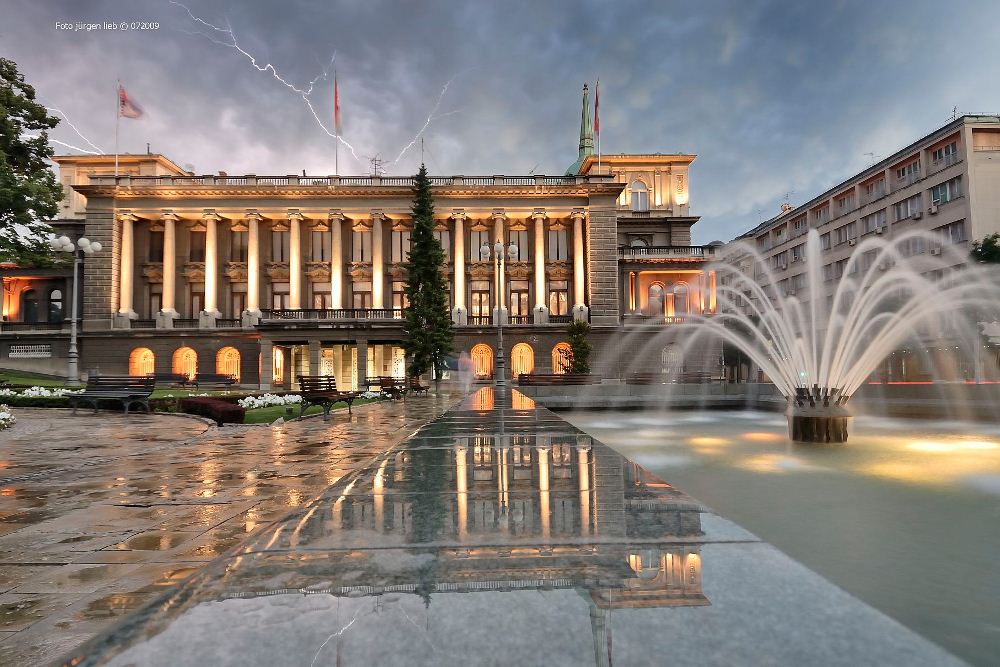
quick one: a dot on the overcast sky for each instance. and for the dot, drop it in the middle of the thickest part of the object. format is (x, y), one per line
(773, 97)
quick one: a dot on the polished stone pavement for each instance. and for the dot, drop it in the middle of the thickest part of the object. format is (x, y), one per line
(501, 535)
(101, 513)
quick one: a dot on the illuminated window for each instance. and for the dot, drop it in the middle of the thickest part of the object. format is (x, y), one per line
(558, 297)
(361, 246)
(185, 362)
(482, 361)
(400, 245)
(519, 298)
(227, 362)
(522, 359)
(362, 294)
(480, 298)
(141, 361)
(640, 196)
(280, 246)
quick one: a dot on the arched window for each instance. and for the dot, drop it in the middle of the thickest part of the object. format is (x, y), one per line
(278, 366)
(670, 359)
(561, 358)
(29, 307)
(185, 362)
(482, 361)
(640, 196)
(681, 298)
(141, 361)
(654, 301)
(638, 243)
(522, 359)
(56, 306)
(227, 362)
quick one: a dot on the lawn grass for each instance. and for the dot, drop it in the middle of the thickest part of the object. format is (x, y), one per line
(269, 414)
(173, 392)
(31, 379)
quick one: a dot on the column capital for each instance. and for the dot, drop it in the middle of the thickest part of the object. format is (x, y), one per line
(253, 214)
(538, 214)
(294, 214)
(498, 214)
(210, 214)
(578, 214)
(458, 215)
(377, 214)
(335, 214)
(168, 214)
(127, 216)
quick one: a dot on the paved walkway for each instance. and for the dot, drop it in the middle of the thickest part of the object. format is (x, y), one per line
(100, 512)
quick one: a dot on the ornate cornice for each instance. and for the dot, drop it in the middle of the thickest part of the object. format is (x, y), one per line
(276, 270)
(481, 269)
(360, 270)
(519, 269)
(193, 271)
(560, 269)
(153, 272)
(318, 271)
(398, 271)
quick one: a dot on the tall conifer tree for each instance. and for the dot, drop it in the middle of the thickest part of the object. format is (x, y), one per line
(426, 318)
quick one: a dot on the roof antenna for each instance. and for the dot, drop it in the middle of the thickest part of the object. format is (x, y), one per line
(874, 157)
(147, 149)
(954, 112)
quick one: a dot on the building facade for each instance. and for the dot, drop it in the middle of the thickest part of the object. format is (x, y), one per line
(267, 278)
(946, 183)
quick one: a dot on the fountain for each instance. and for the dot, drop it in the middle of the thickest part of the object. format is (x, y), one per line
(819, 345)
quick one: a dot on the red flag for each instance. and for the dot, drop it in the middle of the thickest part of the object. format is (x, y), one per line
(336, 105)
(128, 107)
(597, 103)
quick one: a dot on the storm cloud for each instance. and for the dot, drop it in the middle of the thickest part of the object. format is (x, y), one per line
(773, 97)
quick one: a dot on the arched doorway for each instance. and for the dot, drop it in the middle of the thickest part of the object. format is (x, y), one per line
(640, 196)
(482, 361)
(561, 361)
(141, 361)
(278, 366)
(185, 362)
(29, 307)
(55, 306)
(682, 303)
(670, 359)
(522, 360)
(227, 362)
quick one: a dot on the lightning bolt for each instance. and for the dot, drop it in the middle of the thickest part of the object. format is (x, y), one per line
(335, 634)
(430, 117)
(97, 150)
(231, 42)
(75, 148)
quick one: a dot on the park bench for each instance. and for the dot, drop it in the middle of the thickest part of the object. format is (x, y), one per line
(214, 378)
(126, 389)
(175, 379)
(647, 378)
(392, 387)
(413, 384)
(556, 379)
(322, 390)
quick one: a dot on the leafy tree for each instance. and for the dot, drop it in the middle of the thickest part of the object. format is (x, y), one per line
(29, 193)
(426, 318)
(579, 347)
(988, 250)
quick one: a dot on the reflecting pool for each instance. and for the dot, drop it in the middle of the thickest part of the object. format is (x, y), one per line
(906, 516)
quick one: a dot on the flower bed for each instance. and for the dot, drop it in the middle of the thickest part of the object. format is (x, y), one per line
(39, 392)
(6, 417)
(267, 400)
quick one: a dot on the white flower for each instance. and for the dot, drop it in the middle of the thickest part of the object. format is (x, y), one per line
(267, 400)
(6, 418)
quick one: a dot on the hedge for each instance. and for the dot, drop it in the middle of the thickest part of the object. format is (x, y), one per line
(223, 412)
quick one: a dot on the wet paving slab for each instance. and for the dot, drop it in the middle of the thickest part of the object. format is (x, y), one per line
(500, 535)
(100, 514)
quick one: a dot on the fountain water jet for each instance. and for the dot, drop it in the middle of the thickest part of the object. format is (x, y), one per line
(819, 349)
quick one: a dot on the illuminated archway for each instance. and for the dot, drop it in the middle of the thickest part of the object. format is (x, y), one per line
(227, 362)
(655, 299)
(522, 360)
(682, 298)
(185, 362)
(482, 361)
(278, 366)
(561, 358)
(141, 361)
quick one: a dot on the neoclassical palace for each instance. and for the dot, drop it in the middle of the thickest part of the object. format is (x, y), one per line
(269, 277)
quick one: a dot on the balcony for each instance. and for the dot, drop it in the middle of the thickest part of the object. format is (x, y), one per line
(677, 252)
(650, 320)
(330, 314)
(10, 327)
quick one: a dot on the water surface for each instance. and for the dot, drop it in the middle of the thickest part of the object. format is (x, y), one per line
(906, 516)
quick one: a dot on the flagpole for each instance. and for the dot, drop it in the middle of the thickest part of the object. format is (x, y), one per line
(597, 101)
(118, 115)
(336, 123)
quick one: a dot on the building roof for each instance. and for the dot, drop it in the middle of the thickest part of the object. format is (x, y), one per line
(123, 158)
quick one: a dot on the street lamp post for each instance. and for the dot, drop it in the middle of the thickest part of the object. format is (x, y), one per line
(82, 246)
(497, 253)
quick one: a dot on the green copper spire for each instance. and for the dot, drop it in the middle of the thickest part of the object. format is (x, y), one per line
(586, 135)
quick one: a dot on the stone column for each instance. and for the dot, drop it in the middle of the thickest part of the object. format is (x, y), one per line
(253, 264)
(362, 367)
(711, 291)
(540, 313)
(127, 272)
(544, 509)
(460, 313)
(294, 259)
(631, 291)
(583, 472)
(378, 270)
(337, 258)
(579, 307)
(211, 264)
(266, 364)
(314, 354)
(462, 488)
(500, 313)
(167, 309)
